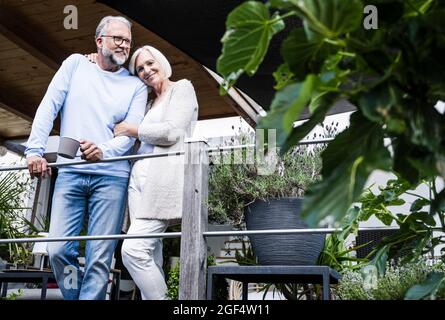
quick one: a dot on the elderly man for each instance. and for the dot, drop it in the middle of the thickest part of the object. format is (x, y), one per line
(92, 98)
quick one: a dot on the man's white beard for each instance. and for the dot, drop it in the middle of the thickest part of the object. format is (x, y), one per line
(115, 59)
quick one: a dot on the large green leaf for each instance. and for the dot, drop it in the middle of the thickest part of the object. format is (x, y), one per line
(427, 127)
(347, 163)
(330, 18)
(280, 104)
(287, 106)
(302, 55)
(438, 204)
(378, 103)
(246, 41)
(362, 139)
(283, 76)
(428, 288)
(416, 7)
(380, 259)
(320, 105)
(440, 164)
(420, 219)
(281, 4)
(419, 204)
(404, 152)
(308, 88)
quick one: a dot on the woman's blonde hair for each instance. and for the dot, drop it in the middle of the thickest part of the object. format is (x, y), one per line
(157, 55)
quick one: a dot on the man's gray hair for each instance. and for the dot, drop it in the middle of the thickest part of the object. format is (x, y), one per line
(157, 55)
(101, 27)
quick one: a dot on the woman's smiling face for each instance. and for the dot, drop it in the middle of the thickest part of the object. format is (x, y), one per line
(148, 69)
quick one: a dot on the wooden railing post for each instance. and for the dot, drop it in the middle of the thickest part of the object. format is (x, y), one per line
(193, 261)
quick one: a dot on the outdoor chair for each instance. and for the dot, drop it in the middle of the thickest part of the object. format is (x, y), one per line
(373, 238)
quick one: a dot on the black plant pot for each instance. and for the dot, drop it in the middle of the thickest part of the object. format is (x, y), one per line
(288, 249)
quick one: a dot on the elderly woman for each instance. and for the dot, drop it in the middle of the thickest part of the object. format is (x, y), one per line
(156, 185)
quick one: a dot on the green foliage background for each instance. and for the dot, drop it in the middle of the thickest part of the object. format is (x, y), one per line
(394, 75)
(13, 224)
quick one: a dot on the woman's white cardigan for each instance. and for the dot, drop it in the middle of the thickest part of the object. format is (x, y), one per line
(162, 193)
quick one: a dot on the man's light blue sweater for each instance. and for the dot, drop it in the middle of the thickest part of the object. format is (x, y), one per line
(91, 101)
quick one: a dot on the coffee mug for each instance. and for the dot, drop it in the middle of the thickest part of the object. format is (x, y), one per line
(68, 147)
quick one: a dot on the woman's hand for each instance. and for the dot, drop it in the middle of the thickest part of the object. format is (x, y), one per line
(125, 129)
(92, 57)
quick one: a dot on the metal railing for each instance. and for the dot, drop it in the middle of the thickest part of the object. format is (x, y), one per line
(194, 215)
(178, 234)
(83, 162)
(155, 155)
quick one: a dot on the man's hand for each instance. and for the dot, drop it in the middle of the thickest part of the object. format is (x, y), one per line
(92, 57)
(38, 166)
(90, 151)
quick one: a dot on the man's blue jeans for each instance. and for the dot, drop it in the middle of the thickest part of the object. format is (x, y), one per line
(103, 199)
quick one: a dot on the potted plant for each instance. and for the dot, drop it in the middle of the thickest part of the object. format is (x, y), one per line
(240, 192)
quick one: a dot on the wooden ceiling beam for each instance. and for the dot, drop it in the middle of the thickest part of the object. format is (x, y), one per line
(249, 117)
(35, 42)
(13, 105)
(17, 107)
(218, 116)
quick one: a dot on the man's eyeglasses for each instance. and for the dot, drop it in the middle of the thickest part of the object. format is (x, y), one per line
(119, 40)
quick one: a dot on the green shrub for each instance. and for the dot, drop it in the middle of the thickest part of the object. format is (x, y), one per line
(14, 295)
(13, 224)
(221, 285)
(173, 283)
(394, 285)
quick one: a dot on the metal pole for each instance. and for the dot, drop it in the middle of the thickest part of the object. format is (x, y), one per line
(245, 146)
(82, 162)
(205, 234)
(105, 237)
(146, 156)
